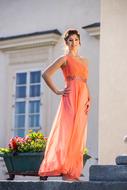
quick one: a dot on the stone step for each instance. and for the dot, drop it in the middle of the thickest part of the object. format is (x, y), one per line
(60, 185)
(108, 173)
(121, 160)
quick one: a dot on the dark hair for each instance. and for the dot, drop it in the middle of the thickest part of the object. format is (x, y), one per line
(69, 32)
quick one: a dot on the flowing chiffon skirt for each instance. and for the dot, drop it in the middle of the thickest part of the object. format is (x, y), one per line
(67, 139)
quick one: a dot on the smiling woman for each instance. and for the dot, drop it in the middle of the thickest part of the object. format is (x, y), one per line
(65, 145)
(72, 37)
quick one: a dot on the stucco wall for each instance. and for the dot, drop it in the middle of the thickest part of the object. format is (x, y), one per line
(29, 16)
(113, 78)
(3, 97)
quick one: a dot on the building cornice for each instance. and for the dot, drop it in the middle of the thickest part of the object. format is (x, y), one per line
(93, 29)
(37, 39)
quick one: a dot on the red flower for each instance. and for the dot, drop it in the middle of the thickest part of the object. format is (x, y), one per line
(13, 142)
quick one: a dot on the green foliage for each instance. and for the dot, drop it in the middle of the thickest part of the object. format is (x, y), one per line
(32, 142)
(5, 150)
(85, 151)
(31, 145)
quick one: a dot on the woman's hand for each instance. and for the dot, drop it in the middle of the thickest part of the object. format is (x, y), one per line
(64, 92)
(87, 105)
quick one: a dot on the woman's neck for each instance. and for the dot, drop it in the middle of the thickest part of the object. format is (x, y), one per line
(73, 53)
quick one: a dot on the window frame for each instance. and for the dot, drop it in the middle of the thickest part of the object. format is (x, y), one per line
(27, 99)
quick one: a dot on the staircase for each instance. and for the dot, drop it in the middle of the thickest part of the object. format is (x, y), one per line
(102, 177)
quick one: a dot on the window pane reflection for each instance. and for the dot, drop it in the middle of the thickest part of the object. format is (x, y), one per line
(34, 90)
(34, 106)
(20, 91)
(35, 77)
(19, 132)
(21, 78)
(20, 107)
(19, 121)
(34, 121)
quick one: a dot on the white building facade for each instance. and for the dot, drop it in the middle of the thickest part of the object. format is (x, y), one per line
(32, 39)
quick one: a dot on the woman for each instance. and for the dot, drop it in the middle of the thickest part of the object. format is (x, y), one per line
(65, 145)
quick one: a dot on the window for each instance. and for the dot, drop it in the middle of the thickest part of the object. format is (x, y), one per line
(27, 102)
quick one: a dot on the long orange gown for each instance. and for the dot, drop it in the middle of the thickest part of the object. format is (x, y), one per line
(67, 139)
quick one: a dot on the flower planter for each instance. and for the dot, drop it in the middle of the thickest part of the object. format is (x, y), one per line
(22, 163)
(85, 158)
(26, 163)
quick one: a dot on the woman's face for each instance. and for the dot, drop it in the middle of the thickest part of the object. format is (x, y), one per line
(73, 42)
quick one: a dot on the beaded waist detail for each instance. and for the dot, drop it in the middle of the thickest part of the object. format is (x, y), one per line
(76, 78)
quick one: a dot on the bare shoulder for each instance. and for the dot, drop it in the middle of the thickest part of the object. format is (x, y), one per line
(54, 66)
(61, 58)
(59, 61)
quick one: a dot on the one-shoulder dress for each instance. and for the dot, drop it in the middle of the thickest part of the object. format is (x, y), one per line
(67, 138)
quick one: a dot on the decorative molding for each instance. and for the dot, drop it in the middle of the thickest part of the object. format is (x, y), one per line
(93, 29)
(31, 55)
(38, 39)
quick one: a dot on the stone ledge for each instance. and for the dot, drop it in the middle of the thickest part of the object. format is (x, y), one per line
(121, 160)
(108, 173)
(60, 185)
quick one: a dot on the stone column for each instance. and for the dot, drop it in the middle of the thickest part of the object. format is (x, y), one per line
(113, 80)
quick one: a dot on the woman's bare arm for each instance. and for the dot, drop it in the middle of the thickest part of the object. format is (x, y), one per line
(47, 74)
